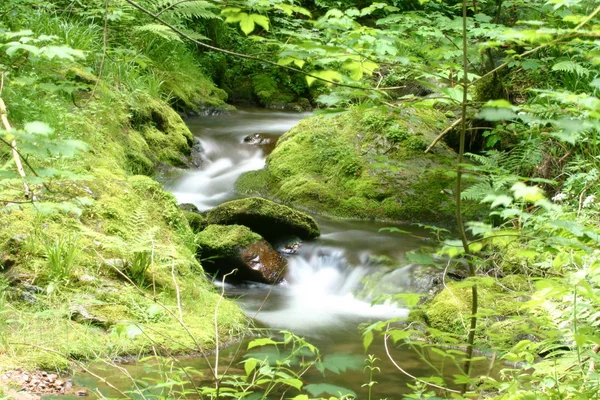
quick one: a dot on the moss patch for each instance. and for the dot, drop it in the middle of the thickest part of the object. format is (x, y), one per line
(62, 294)
(224, 240)
(500, 313)
(363, 165)
(269, 219)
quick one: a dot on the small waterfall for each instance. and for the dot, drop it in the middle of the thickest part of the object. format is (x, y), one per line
(325, 285)
(213, 183)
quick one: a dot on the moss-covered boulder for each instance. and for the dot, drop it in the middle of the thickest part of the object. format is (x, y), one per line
(363, 165)
(165, 138)
(269, 219)
(224, 248)
(194, 217)
(502, 320)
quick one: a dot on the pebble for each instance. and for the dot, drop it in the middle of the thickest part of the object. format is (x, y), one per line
(39, 383)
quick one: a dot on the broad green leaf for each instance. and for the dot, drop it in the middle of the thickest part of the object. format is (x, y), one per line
(7, 175)
(340, 362)
(367, 339)
(261, 21)
(317, 389)
(61, 52)
(328, 75)
(293, 382)
(246, 23)
(13, 47)
(38, 128)
(496, 114)
(260, 342)
(530, 194)
(249, 365)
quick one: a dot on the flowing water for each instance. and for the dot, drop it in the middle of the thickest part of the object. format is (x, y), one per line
(323, 297)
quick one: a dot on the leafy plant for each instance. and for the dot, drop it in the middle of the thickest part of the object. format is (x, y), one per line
(60, 256)
(137, 268)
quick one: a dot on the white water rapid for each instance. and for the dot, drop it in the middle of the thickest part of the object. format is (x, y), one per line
(320, 290)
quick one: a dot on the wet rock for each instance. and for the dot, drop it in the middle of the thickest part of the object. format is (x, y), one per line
(189, 207)
(197, 155)
(225, 248)
(81, 314)
(267, 218)
(193, 216)
(265, 141)
(5, 262)
(33, 288)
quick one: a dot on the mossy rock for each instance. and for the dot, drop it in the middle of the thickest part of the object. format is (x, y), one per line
(196, 221)
(165, 138)
(267, 218)
(227, 248)
(366, 165)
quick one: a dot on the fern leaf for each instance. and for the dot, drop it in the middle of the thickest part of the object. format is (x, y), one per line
(196, 9)
(572, 67)
(159, 30)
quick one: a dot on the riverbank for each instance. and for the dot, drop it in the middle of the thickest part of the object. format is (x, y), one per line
(96, 259)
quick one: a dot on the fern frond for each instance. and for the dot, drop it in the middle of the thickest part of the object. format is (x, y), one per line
(571, 66)
(159, 30)
(524, 158)
(194, 9)
(478, 191)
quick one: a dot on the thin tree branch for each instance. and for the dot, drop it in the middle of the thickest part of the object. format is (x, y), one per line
(387, 352)
(459, 219)
(13, 142)
(235, 54)
(444, 132)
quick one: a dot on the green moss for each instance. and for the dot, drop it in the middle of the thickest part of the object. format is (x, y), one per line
(265, 217)
(363, 165)
(517, 283)
(225, 239)
(123, 215)
(167, 138)
(196, 221)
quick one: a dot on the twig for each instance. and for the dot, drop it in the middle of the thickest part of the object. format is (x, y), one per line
(387, 352)
(13, 142)
(596, 349)
(441, 135)
(216, 320)
(589, 185)
(176, 290)
(104, 50)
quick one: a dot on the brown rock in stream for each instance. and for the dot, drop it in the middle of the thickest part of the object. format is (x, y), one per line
(225, 248)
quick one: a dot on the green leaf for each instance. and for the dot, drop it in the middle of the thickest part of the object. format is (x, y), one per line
(38, 128)
(496, 114)
(7, 175)
(293, 382)
(61, 52)
(246, 23)
(367, 339)
(260, 342)
(249, 365)
(317, 389)
(328, 75)
(340, 362)
(261, 21)
(529, 194)
(13, 47)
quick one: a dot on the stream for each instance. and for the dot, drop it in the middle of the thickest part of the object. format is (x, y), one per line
(323, 297)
